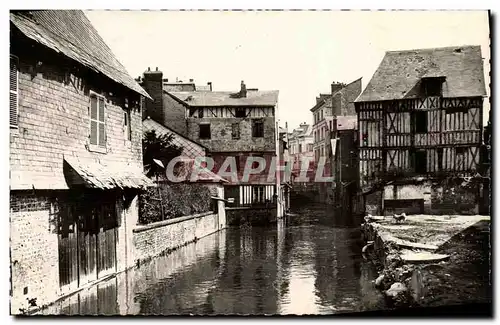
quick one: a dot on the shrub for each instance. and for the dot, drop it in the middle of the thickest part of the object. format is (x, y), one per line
(177, 200)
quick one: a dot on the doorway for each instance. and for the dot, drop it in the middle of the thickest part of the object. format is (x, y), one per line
(87, 236)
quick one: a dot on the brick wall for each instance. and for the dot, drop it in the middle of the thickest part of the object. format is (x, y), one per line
(152, 83)
(33, 251)
(54, 119)
(154, 239)
(221, 135)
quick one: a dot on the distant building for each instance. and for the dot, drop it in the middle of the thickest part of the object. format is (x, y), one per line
(300, 144)
(328, 107)
(165, 108)
(342, 150)
(420, 125)
(238, 125)
(75, 157)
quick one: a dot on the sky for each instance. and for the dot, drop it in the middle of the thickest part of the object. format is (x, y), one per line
(299, 53)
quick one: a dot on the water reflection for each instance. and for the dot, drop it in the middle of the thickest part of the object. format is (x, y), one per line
(310, 266)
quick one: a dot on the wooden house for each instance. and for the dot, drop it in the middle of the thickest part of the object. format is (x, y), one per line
(75, 157)
(420, 123)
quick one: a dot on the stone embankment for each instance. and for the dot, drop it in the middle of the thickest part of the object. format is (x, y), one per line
(430, 260)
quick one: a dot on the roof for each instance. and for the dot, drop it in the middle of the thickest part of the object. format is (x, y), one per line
(400, 72)
(190, 148)
(343, 99)
(94, 175)
(301, 131)
(71, 33)
(224, 98)
(324, 101)
(193, 174)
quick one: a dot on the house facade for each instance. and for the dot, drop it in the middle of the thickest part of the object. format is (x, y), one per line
(300, 144)
(75, 157)
(342, 149)
(239, 129)
(420, 124)
(162, 107)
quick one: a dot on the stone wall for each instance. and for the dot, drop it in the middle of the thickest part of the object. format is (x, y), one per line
(221, 134)
(33, 251)
(156, 238)
(253, 216)
(445, 197)
(34, 245)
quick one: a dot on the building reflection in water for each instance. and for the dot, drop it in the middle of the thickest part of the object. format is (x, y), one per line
(304, 268)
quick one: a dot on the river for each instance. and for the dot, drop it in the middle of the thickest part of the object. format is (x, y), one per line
(312, 265)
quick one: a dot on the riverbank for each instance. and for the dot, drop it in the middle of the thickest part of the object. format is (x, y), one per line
(431, 261)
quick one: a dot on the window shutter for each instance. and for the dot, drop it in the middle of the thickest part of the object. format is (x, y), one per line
(93, 132)
(93, 120)
(14, 94)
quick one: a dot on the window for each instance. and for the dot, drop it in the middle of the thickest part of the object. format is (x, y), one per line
(205, 131)
(97, 120)
(300, 147)
(14, 93)
(258, 194)
(309, 147)
(440, 159)
(235, 130)
(200, 112)
(126, 124)
(240, 112)
(420, 120)
(432, 86)
(258, 129)
(460, 153)
(192, 111)
(255, 164)
(420, 161)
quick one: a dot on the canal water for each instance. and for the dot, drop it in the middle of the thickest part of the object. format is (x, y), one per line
(311, 265)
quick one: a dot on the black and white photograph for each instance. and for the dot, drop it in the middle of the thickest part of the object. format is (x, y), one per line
(250, 162)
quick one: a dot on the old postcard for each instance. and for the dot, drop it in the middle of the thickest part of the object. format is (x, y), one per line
(266, 162)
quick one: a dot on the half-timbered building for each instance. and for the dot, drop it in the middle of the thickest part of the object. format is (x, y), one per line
(420, 131)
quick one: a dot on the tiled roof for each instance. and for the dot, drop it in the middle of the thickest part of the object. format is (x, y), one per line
(71, 33)
(190, 149)
(400, 72)
(224, 98)
(324, 102)
(95, 175)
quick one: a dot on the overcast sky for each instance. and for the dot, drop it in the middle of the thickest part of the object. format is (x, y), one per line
(298, 53)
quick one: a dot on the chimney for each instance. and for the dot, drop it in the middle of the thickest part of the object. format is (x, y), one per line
(191, 80)
(243, 91)
(153, 84)
(336, 86)
(286, 126)
(209, 85)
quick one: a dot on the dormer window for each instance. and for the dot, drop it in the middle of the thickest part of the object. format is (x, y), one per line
(432, 86)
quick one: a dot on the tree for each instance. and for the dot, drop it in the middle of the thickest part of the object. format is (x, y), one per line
(159, 147)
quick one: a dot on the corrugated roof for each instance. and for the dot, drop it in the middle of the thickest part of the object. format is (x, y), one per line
(94, 175)
(71, 33)
(190, 148)
(400, 72)
(224, 98)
